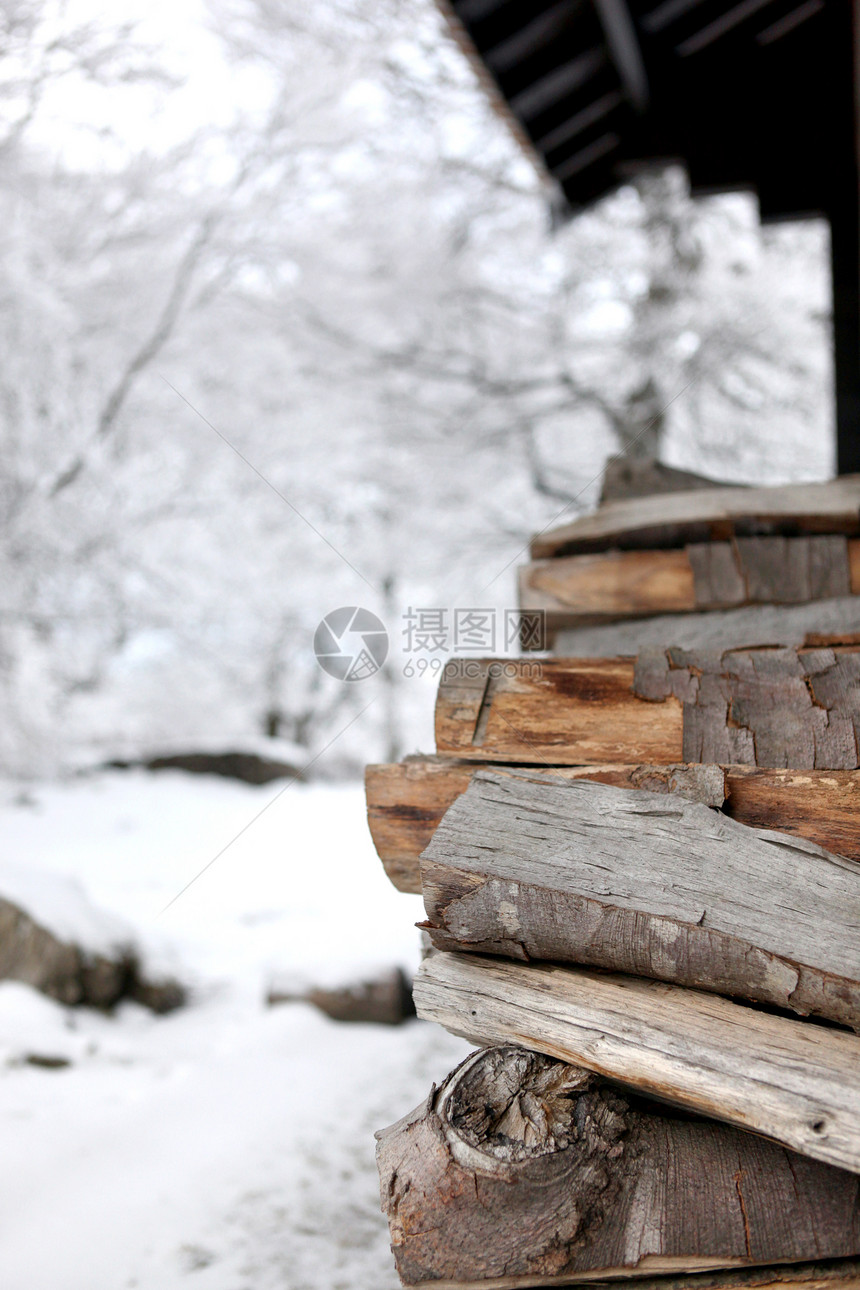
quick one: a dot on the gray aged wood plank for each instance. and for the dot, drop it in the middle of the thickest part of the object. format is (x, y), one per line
(793, 1081)
(406, 802)
(534, 866)
(770, 570)
(717, 576)
(719, 629)
(793, 570)
(707, 515)
(524, 1170)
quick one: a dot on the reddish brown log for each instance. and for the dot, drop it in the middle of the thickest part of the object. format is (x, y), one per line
(793, 708)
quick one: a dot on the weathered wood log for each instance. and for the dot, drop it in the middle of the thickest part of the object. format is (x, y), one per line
(705, 515)
(583, 589)
(406, 801)
(522, 1170)
(575, 711)
(531, 866)
(798, 709)
(714, 629)
(792, 1081)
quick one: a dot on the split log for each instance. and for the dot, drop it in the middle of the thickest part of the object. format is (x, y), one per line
(792, 1081)
(575, 711)
(709, 515)
(715, 629)
(582, 589)
(534, 867)
(406, 801)
(522, 1170)
(798, 709)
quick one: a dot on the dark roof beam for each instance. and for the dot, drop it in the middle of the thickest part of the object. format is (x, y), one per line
(555, 86)
(624, 48)
(586, 157)
(595, 112)
(783, 26)
(665, 14)
(719, 28)
(533, 37)
(476, 10)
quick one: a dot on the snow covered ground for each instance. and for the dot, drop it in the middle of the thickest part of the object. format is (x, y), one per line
(228, 1146)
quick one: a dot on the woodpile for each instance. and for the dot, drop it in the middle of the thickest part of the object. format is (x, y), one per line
(712, 549)
(641, 878)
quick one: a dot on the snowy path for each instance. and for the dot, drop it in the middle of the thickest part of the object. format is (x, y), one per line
(228, 1146)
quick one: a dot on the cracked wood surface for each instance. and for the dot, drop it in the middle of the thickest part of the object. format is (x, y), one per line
(530, 866)
(524, 1170)
(578, 711)
(709, 515)
(792, 708)
(582, 589)
(780, 707)
(792, 1081)
(406, 801)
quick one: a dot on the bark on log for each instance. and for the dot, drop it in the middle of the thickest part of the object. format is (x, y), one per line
(704, 515)
(715, 629)
(792, 1081)
(530, 866)
(523, 1170)
(792, 708)
(406, 801)
(582, 589)
(798, 709)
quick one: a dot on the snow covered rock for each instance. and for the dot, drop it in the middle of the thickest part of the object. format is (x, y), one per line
(52, 938)
(384, 1000)
(256, 761)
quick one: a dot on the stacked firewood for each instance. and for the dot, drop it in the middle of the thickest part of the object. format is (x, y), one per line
(641, 876)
